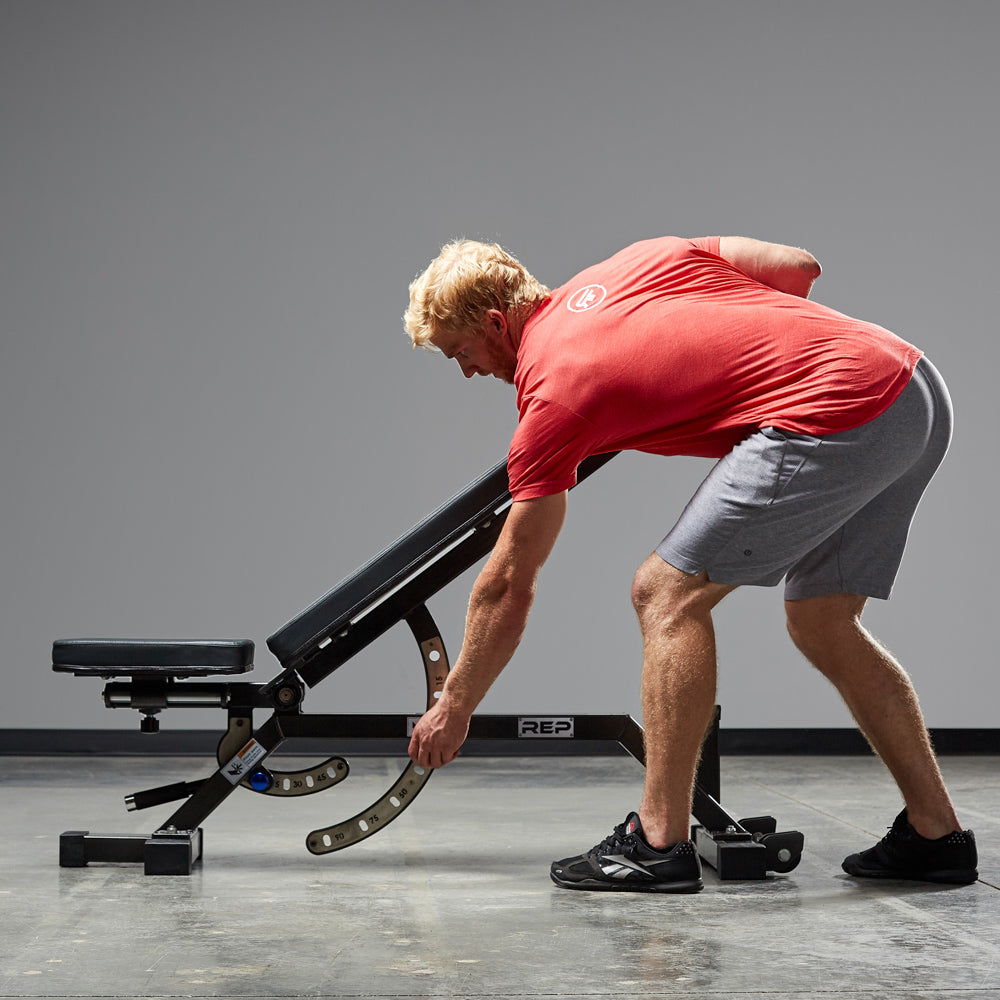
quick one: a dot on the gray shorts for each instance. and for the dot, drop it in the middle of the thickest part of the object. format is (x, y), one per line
(830, 514)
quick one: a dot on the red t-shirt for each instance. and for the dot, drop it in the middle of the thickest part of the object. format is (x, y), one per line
(667, 348)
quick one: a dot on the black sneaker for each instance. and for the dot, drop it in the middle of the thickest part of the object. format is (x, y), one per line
(903, 853)
(624, 862)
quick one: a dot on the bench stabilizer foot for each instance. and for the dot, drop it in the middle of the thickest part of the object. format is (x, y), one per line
(749, 848)
(166, 852)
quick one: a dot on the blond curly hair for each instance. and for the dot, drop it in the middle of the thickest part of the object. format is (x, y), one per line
(462, 284)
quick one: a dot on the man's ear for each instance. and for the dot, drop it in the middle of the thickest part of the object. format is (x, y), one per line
(495, 323)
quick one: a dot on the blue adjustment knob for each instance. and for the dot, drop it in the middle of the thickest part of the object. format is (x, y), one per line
(260, 781)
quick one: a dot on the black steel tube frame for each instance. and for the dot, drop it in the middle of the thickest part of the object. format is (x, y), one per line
(281, 727)
(211, 792)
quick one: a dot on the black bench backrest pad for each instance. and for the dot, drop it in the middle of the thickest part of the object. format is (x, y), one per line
(409, 556)
(391, 566)
(160, 657)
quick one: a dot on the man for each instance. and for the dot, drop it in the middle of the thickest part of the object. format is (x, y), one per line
(827, 430)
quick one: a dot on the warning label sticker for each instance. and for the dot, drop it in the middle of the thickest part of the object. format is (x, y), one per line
(238, 768)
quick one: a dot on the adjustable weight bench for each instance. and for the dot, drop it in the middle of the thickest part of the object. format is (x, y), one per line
(151, 676)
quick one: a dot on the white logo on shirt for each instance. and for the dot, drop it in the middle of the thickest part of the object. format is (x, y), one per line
(586, 298)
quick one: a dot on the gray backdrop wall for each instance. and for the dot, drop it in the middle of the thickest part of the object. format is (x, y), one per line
(211, 210)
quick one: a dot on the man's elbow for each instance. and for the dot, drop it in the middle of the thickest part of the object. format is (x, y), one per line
(802, 271)
(810, 266)
(505, 590)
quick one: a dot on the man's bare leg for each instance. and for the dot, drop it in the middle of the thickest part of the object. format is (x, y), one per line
(879, 694)
(678, 690)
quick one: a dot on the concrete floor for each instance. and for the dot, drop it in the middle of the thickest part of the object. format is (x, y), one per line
(453, 900)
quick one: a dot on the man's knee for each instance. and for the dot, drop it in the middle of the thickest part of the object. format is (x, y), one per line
(663, 595)
(819, 625)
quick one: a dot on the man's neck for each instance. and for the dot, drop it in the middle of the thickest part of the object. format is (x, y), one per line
(516, 320)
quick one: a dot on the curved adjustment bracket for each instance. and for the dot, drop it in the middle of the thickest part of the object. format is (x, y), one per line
(385, 809)
(264, 781)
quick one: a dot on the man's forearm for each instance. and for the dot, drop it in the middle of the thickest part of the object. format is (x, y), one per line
(494, 627)
(496, 620)
(498, 612)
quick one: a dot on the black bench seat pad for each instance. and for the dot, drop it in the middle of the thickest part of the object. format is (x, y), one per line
(159, 657)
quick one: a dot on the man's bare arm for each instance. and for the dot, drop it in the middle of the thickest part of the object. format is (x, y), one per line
(787, 269)
(498, 612)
